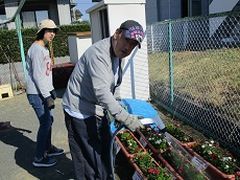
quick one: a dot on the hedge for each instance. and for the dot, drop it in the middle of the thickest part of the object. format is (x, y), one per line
(10, 46)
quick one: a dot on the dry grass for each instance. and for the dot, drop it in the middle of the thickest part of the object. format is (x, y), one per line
(212, 76)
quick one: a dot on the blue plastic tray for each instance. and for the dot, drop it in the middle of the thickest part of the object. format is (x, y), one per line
(139, 108)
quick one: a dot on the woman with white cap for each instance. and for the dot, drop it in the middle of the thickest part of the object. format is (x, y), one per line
(40, 92)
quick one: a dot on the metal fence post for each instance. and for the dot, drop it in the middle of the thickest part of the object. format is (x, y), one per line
(170, 59)
(18, 27)
(152, 39)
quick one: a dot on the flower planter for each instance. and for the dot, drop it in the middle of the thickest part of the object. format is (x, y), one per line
(180, 135)
(190, 144)
(147, 168)
(178, 161)
(156, 152)
(169, 167)
(61, 74)
(182, 165)
(155, 141)
(129, 143)
(212, 170)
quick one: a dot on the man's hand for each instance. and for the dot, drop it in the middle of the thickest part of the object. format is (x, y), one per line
(50, 102)
(163, 130)
(132, 122)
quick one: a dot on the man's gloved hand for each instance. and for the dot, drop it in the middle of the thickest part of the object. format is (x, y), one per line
(53, 94)
(163, 130)
(50, 102)
(132, 122)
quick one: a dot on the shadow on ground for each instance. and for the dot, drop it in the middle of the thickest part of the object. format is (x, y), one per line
(24, 154)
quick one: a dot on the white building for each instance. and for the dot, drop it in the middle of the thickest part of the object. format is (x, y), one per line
(159, 10)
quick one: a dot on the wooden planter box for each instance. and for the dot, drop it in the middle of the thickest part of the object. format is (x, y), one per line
(213, 171)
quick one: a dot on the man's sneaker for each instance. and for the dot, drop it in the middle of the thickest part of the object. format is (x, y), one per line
(54, 151)
(44, 162)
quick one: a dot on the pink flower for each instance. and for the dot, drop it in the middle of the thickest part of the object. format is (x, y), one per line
(153, 171)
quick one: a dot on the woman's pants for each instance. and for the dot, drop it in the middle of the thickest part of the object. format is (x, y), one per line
(45, 119)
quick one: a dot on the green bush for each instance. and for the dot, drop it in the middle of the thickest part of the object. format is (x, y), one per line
(9, 44)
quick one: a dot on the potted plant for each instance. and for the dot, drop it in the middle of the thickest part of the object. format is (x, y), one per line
(220, 163)
(155, 141)
(149, 168)
(129, 143)
(182, 165)
(179, 134)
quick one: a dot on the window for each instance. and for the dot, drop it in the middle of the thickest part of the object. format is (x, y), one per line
(185, 8)
(196, 8)
(104, 23)
(2, 19)
(33, 18)
(41, 15)
(28, 19)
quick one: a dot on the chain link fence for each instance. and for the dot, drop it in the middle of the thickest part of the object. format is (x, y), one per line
(195, 73)
(11, 72)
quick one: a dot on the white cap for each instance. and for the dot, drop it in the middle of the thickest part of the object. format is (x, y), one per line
(47, 24)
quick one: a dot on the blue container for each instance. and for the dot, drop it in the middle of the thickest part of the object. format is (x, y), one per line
(142, 109)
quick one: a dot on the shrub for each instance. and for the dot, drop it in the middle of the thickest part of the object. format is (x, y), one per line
(10, 44)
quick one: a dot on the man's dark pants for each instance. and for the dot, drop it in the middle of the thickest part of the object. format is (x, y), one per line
(89, 141)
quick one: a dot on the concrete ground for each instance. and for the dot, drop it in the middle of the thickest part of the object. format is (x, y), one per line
(17, 142)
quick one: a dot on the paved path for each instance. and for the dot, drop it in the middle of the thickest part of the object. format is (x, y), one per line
(18, 143)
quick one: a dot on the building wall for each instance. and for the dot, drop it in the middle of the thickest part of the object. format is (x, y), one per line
(96, 25)
(159, 10)
(217, 6)
(64, 13)
(57, 10)
(10, 9)
(53, 13)
(169, 9)
(151, 11)
(78, 44)
(135, 82)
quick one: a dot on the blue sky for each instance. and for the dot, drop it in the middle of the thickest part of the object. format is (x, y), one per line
(83, 5)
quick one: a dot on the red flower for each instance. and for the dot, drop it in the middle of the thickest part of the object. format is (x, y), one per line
(214, 156)
(153, 171)
(180, 170)
(238, 173)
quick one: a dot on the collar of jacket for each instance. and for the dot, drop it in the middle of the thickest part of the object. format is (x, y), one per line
(112, 54)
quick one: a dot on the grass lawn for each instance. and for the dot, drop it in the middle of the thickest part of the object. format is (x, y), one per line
(211, 76)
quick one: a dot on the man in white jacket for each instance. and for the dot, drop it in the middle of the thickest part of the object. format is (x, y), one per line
(90, 93)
